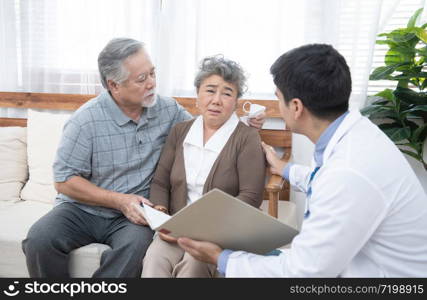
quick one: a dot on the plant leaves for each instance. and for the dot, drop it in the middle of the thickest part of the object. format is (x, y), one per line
(413, 19)
(397, 134)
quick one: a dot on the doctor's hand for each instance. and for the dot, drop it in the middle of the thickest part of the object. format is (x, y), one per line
(204, 251)
(258, 121)
(276, 164)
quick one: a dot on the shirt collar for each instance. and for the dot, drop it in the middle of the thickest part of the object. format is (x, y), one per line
(325, 138)
(216, 142)
(120, 117)
(116, 113)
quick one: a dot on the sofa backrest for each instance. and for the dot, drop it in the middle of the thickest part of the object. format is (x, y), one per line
(275, 189)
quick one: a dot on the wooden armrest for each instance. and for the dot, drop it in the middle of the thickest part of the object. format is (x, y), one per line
(274, 185)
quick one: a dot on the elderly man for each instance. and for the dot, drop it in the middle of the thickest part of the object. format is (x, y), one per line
(103, 169)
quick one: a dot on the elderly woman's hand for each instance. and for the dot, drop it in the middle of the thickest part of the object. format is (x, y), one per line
(167, 238)
(258, 121)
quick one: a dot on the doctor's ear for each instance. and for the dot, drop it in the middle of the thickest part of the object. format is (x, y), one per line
(297, 107)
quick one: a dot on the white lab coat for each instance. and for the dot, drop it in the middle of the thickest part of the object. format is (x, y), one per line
(368, 214)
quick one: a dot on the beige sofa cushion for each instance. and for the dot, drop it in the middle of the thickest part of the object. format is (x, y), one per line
(15, 221)
(13, 162)
(44, 132)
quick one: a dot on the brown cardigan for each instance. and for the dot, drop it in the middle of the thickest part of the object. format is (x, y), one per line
(239, 169)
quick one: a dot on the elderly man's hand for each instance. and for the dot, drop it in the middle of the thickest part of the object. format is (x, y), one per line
(129, 206)
(258, 121)
(204, 251)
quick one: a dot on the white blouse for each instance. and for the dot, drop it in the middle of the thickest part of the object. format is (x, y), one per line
(199, 158)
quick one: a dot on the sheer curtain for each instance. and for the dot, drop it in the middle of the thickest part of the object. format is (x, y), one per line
(52, 45)
(255, 33)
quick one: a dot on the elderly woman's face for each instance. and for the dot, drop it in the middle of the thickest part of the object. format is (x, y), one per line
(217, 100)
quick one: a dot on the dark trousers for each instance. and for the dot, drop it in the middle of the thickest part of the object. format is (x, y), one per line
(67, 227)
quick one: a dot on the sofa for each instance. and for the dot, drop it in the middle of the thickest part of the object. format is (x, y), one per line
(27, 192)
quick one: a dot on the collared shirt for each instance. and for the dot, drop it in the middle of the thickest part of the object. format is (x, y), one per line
(103, 145)
(320, 147)
(199, 158)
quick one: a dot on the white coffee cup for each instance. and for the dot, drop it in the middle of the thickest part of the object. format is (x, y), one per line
(254, 109)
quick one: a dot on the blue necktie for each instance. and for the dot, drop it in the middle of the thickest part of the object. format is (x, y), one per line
(307, 212)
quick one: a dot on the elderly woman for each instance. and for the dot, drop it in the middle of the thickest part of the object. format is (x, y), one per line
(215, 150)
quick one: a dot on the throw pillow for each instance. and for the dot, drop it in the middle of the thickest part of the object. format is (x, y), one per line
(44, 132)
(13, 162)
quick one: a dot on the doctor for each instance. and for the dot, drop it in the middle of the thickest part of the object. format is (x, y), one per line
(366, 212)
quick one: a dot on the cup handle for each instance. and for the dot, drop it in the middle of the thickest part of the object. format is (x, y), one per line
(244, 107)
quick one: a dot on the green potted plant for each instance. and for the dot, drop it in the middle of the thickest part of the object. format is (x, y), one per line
(405, 107)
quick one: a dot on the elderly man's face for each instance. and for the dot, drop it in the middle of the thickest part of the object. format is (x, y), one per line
(139, 88)
(216, 100)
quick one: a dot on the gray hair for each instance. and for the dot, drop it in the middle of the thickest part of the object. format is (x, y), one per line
(229, 70)
(110, 60)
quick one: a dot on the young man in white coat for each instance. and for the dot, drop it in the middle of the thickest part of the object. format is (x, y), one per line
(366, 212)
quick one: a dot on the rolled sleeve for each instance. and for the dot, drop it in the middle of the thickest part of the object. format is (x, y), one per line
(286, 171)
(223, 260)
(73, 157)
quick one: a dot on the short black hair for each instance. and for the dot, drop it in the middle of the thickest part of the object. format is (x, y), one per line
(316, 74)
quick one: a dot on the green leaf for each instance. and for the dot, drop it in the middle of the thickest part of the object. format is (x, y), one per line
(410, 153)
(395, 56)
(403, 35)
(386, 42)
(413, 19)
(416, 108)
(398, 134)
(384, 71)
(421, 34)
(421, 51)
(410, 97)
(386, 126)
(371, 109)
(420, 134)
(386, 94)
